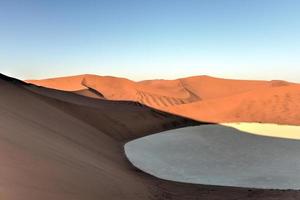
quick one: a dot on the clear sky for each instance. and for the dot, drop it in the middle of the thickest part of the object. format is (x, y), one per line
(144, 39)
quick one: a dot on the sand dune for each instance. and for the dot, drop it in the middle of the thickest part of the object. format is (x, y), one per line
(270, 130)
(61, 145)
(49, 151)
(279, 105)
(202, 98)
(153, 93)
(72, 83)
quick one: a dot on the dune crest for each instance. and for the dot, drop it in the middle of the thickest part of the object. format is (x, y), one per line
(60, 145)
(201, 98)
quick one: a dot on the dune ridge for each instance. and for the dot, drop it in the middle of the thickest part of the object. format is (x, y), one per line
(201, 98)
(60, 145)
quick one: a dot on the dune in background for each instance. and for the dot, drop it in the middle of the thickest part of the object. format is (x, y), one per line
(201, 98)
(61, 145)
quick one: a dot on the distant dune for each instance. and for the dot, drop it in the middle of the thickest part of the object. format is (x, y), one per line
(61, 145)
(201, 98)
(279, 105)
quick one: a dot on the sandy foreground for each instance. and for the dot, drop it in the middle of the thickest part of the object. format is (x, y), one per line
(60, 145)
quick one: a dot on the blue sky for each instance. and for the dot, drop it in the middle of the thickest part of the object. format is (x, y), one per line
(144, 39)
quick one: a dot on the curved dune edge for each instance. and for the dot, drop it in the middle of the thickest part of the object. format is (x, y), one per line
(60, 145)
(202, 98)
(266, 129)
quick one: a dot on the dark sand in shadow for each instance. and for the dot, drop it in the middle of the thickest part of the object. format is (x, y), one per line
(59, 145)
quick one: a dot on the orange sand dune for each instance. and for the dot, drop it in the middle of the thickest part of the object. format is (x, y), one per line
(202, 98)
(151, 93)
(61, 145)
(279, 105)
(72, 83)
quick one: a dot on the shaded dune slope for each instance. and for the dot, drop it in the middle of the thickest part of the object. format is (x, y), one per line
(60, 145)
(202, 98)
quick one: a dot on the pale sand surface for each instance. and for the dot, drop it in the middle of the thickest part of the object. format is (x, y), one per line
(271, 130)
(219, 155)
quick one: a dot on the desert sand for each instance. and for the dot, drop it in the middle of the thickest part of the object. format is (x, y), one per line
(201, 98)
(58, 145)
(62, 145)
(270, 130)
(219, 155)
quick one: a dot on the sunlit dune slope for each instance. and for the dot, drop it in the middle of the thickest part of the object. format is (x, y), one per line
(60, 145)
(152, 93)
(270, 130)
(202, 98)
(266, 105)
(71, 83)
